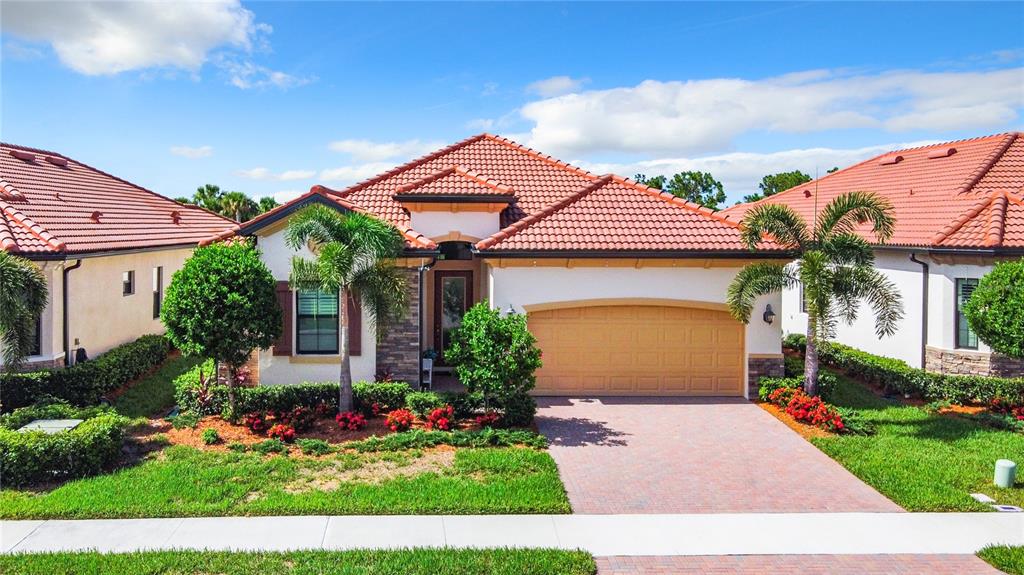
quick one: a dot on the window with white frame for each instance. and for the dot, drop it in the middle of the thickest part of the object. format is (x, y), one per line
(965, 338)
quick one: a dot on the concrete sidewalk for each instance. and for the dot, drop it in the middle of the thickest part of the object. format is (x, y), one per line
(601, 535)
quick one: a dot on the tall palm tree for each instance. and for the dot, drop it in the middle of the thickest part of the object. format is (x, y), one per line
(238, 206)
(835, 266)
(355, 256)
(23, 295)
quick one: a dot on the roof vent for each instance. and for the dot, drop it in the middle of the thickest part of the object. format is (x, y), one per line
(96, 216)
(941, 153)
(23, 155)
(807, 193)
(176, 216)
(890, 160)
(57, 161)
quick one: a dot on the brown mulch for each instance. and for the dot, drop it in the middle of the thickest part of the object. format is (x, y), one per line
(808, 432)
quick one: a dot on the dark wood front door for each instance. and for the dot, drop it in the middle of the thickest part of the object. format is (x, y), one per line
(453, 294)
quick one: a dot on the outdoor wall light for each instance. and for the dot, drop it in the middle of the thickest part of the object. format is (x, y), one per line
(511, 310)
(769, 315)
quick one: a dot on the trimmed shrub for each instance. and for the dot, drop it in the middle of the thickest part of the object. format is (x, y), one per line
(795, 341)
(194, 396)
(210, 436)
(793, 366)
(270, 446)
(386, 395)
(85, 383)
(313, 446)
(465, 404)
(423, 402)
(766, 385)
(56, 410)
(418, 439)
(995, 310)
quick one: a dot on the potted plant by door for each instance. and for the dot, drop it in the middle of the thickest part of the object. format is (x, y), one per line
(429, 355)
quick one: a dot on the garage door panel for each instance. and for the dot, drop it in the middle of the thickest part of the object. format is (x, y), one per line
(647, 350)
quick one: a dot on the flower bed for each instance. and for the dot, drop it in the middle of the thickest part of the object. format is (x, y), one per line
(787, 394)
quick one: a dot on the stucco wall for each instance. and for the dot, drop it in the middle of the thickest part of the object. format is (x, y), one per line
(942, 302)
(277, 370)
(435, 224)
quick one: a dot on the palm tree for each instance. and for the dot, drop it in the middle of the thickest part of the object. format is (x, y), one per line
(835, 266)
(23, 295)
(238, 206)
(208, 196)
(355, 256)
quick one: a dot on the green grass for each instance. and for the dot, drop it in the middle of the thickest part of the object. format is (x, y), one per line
(183, 481)
(920, 460)
(1007, 559)
(392, 562)
(156, 391)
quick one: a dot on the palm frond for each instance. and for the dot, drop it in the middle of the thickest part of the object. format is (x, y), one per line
(779, 221)
(848, 249)
(845, 212)
(382, 290)
(305, 275)
(315, 224)
(752, 281)
(23, 297)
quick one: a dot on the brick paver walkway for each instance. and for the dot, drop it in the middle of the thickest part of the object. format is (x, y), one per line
(803, 564)
(692, 455)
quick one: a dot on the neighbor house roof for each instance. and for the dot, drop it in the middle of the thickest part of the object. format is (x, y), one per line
(961, 195)
(52, 205)
(553, 207)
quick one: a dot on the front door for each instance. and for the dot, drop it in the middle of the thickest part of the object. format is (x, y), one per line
(453, 294)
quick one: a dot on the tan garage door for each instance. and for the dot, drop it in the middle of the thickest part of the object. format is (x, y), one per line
(638, 350)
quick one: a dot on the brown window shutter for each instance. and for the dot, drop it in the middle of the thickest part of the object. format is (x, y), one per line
(286, 299)
(355, 325)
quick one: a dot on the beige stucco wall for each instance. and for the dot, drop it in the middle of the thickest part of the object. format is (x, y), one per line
(475, 225)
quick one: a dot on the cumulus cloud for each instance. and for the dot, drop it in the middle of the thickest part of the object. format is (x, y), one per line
(192, 153)
(706, 116)
(480, 124)
(369, 151)
(247, 75)
(266, 174)
(285, 196)
(556, 86)
(354, 173)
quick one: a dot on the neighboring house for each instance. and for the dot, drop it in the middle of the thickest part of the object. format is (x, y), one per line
(624, 285)
(959, 208)
(107, 248)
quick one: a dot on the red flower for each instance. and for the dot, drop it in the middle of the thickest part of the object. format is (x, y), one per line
(489, 419)
(441, 418)
(400, 420)
(351, 420)
(283, 432)
(256, 422)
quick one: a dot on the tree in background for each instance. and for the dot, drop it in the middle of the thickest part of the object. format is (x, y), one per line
(238, 206)
(23, 295)
(835, 266)
(267, 203)
(995, 311)
(234, 205)
(697, 187)
(222, 304)
(208, 196)
(775, 183)
(355, 256)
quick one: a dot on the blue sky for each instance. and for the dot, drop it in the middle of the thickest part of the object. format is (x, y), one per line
(269, 98)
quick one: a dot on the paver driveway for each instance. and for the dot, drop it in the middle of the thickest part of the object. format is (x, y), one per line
(692, 455)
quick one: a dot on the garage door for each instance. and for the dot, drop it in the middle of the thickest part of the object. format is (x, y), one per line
(638, 350)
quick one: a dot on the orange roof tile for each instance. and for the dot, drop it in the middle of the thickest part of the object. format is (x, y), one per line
(455, 181)
(962, 194)
(52, 205)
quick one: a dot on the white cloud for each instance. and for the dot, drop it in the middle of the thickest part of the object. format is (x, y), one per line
(192, 152)
(247, 75)
(741, 172)
(368, 151)
(97, 38)
(285, 196)
(355, 173)
(480, 124)
(490, 89)
(556, 86)
(266, 174)
(707, 116)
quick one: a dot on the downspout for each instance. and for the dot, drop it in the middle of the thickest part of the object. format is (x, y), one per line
(924, 308)
(64, 310)
(422, 270)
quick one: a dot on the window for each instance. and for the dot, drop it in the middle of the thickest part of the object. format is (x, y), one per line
(37, 337)
(128, 283)
(965, 338)
(158, 290)
(317, 322)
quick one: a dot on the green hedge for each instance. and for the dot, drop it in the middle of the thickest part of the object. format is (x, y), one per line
(193, 398)
(826, 385)
(87, 382)
(387, 394)
(36, 457)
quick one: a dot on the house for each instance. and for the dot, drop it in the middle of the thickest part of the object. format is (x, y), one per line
(624, 286)
(959, 208)
(107, 247)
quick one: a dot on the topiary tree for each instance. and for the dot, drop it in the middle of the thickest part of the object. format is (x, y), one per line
(496, 356)
(23, 295)
(222, 305)
(995, 310)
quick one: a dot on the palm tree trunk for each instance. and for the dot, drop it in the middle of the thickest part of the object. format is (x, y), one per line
(345, 377)
(811, 358)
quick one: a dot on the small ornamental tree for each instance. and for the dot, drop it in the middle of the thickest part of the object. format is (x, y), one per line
(995, 310)
(496, 356)
(222, 305)
(23, 295)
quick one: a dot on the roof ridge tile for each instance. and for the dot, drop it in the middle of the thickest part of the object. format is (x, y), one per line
(457, 170)
(15, 215)
(543, 157)
(8, 242)
(996, 220)
(672, 199)
(985, 166)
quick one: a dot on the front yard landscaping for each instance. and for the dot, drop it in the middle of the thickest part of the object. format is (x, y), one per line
(1007, 559)
(397, 562)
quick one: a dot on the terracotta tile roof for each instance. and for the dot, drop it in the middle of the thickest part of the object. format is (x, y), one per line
(949, 195)
(51, 204)
(455, 181)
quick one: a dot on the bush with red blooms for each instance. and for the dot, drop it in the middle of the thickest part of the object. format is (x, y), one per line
(256, 422)
(489, 419)
(441, 418)
(1008, 408)
(350, 420)
(323, 411)
(375, 409)
(399, 420)
(300, 417)
(807, 409)
(285, 433)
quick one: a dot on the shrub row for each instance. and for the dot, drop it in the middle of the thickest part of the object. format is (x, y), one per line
(86, 382)
(418, 438)
(36, 457)
(826, 385)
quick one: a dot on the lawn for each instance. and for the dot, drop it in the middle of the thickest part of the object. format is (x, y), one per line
(155, 392)
(396, 562)
(184, 481)
(1007, 559)
(923, 461)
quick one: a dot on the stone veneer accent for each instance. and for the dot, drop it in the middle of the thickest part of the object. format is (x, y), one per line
(758, 367)
(398, 352)
(968, 362)
(39, 365)
(252, 364)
